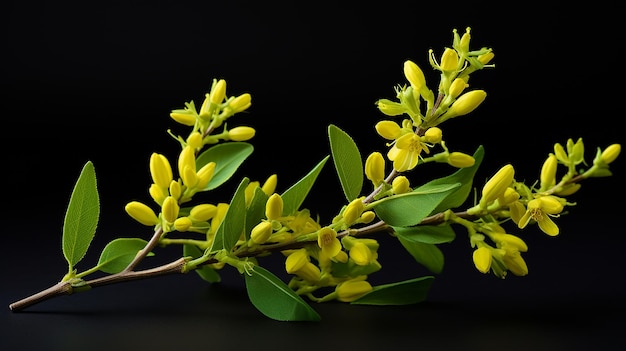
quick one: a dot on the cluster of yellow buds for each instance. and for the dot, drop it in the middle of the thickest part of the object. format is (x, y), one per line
(504, 198)
(214, 111)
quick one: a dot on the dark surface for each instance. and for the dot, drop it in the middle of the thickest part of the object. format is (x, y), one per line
(96, 82)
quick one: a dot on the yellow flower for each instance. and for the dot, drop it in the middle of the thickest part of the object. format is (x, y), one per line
(390, 108)
(375, 168)
(540, 210)
(486, 57)
(405, 152)
(457, 87)
(353, 289)
(515, 263)
(157, 193)
(184, 117)
(187, 166)
(299, 263)
(195, 140)
(205, 174)
(182, 224)
(328, 242)
(141, 213)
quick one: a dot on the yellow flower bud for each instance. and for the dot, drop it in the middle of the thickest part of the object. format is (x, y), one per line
(351, 290)
(576, 150)
(189, 176)
(414, 75)
(486, 57)
(516, 264)
(465, 40)
(482, 259)
(185, 118)
(361, 254)
(175, 189)
(203, 212)
(249, 191)
(548, 173)
(182, 224)
(610, 153)
(270, 184)
(160, 170)
(388, 129)
(240, 103)
(460, 160)
(261, 232)
(568, 189)
(390, 108)
(457, 87)
(375, 167)
(495, 187)
(466, 103)
(449, 60)
(368, 216)
(309, 272)
(241, 133)
(353, 211)
(433, 135)
(205, 174)
(296, 260)
(195, 140)
(157, 193)
(186, 158)
(141, 213)
(170, 209)
(400, 185)
(560, 153)
(274, 207)
(219, 92)
(509, 196)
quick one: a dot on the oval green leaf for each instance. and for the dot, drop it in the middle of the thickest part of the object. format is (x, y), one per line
(428, 255)
(410, 208)
(464, 176)
(117, 254)
(227, 157)
(232, 225)
(272, 297)
(429, 234)
(81, 218)
(347, 160)
(295, 195)
(401, 293)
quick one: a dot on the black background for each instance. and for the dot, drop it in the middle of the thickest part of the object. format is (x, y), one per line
(97, 80)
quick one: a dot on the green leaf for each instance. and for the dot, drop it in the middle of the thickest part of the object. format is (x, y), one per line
(429, 234)
(428, 255)
(464, 176)
(117, 254)
(410, 208)
(272, 297)
(81, 218)
(227, 157)
(295, 195)
(256, 211)
(348, 163)
(232, 225)
(205, 272)
(400, 293)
